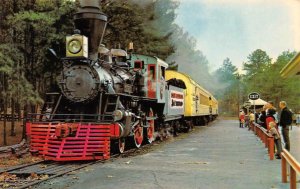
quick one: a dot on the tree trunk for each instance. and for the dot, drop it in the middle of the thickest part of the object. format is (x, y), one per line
(12, 130)
(4, 122)
(25, 118)
(18, 110)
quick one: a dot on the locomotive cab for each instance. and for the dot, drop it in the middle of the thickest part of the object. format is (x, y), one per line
(153, 69)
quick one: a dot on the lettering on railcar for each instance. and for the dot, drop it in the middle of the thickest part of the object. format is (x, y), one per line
(176, 99)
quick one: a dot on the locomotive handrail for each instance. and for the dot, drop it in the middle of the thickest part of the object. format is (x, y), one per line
(265, 137)
(46, 117)
(63, 114)
(294, 168)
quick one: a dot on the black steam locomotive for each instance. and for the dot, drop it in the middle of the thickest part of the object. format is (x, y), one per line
(106, 98)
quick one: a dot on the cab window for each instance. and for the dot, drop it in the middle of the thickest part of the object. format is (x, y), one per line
(162, 72)
(152, 72)
(138, 64)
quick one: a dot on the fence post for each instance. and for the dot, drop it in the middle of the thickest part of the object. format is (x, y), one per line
(293, 183)
(283, 170)
(271, 148)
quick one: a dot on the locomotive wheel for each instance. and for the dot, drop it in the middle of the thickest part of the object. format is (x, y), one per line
(138, 135)
(150, 130)
(121, 145)
(118, 146)
(188, 126)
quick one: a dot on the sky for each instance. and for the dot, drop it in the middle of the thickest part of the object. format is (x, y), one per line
(235, 28)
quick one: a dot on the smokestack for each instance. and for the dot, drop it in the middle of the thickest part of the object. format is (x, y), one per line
(91, 22)
(90, 3)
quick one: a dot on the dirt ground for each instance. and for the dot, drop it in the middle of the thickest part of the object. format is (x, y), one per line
(13, 160)
(11, 139)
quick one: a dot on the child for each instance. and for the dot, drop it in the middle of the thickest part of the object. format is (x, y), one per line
(273, 131)
(242, 119)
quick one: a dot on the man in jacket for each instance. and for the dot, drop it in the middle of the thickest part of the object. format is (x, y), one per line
(285, 121)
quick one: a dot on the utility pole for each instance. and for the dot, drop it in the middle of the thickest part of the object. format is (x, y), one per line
(238, 77)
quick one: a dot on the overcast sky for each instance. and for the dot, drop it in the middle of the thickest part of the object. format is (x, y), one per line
(235, 28)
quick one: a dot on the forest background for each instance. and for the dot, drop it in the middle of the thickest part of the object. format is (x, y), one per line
(28, 28)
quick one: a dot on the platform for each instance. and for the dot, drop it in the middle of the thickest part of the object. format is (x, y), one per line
(221, 155)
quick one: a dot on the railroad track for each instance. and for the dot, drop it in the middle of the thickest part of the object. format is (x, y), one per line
(25, 176)
(28, 175)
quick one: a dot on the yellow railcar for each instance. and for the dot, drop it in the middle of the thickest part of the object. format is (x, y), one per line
(199, 103)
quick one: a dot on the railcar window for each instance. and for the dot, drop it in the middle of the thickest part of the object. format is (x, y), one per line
(162, 72)
(119, 59)
(152, 72)
(138, 64)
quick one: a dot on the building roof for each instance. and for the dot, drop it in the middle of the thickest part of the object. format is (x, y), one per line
(258, 102)
(292, 68)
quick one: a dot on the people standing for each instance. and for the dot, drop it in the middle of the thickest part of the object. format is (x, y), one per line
(270, 118)
(251, 119)
(242, 118)
(256, 113)
(269, 106)
(298, 119)
(285, 121)
(274, 132)
(262, 119)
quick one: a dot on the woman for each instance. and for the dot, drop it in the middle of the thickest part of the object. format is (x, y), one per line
(270, 118)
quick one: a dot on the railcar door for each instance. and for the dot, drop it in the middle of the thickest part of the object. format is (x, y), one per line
(196, 99)
(210, 105)
(161, 85)
(151, 81)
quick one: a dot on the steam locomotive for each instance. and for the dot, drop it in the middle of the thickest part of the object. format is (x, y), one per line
(109, 99)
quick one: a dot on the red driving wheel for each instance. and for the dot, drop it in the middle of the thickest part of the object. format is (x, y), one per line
(138, 135)
(121, 145)
(150, 129)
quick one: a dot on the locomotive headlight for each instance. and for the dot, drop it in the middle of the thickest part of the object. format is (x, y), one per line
(77, 46)
(74, 46)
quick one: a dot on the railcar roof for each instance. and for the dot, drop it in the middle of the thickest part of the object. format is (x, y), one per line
(154, 59)
(193, 82)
